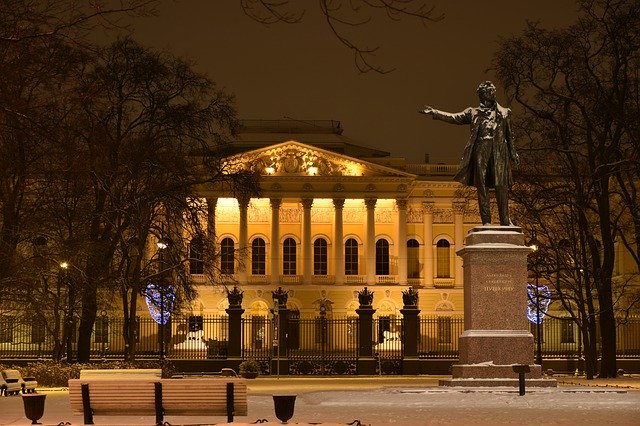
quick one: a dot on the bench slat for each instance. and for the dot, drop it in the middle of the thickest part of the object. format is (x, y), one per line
(200, 396)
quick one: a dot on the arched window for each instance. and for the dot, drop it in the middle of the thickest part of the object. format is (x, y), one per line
(413, 258)
(320, 257)
(382, 257)
(289, 257)
(443, 249)
(196, 259)
(351, 257)
(258, 257)
(227, 248)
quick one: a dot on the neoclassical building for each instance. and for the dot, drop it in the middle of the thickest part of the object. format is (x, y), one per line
(334, 217)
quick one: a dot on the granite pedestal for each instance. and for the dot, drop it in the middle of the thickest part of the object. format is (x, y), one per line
(496, 335)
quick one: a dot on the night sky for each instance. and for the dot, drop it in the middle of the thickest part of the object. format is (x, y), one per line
(301, 71)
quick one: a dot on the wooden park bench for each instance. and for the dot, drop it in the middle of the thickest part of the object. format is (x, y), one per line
(26, 384)
(9, 387)
(143, 393)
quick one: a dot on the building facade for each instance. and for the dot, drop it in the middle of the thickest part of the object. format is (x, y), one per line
(329, 223)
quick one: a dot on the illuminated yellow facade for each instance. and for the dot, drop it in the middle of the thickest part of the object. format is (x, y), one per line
(328, 224)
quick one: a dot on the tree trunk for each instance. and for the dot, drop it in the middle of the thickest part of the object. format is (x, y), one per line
(87, 321)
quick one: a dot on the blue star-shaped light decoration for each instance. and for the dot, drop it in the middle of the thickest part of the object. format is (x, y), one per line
(541, 298)
(160, 300)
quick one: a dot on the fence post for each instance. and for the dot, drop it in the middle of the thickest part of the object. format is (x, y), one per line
(366, 361)
(235, 311)
(410, 330)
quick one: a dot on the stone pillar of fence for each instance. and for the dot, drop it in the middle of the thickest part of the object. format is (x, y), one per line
(410, 332)
(366, 360)
(235, 312)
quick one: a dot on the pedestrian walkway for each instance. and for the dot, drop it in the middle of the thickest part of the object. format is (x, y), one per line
(415, 400)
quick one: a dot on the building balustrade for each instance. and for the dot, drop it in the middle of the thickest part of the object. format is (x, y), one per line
(258, 279)
(290, 279)
(443, 282)
(323, 279)
(386, 279)
(355, 279)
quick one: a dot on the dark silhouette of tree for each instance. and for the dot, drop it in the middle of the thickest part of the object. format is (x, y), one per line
(578, 87)
(150, 133)
(342, 16)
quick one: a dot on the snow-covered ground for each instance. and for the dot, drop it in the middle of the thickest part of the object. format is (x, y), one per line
(379, 401)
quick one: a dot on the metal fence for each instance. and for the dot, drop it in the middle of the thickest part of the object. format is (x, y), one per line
(321, 343)
(438, 336)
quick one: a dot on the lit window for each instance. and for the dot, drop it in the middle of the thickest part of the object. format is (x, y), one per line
(289, 257)
(351, 257)
(258, 257)
(413, 259)
(382, 257)
(443, 249)
(320, 257)
(196, 260)
(227, 247)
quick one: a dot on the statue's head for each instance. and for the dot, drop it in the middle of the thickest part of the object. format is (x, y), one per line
(487, 91)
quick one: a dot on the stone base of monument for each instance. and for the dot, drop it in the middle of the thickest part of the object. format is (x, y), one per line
(496, 335)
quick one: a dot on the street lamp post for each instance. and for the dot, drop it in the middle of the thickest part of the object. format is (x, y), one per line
(162, 288)
(538, 323)
(71, 296)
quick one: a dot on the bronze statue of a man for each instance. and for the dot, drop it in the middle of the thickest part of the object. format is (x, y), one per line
(486, 161)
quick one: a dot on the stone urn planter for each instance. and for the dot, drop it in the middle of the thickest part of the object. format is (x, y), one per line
(33, 406)
(284, 406)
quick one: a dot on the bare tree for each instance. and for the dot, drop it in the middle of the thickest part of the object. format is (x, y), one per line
(150, 132)
(342, 16)
(578, 86)
(71, 20)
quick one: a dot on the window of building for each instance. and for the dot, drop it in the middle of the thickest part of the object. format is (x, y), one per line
(320, 257)
(443, 249)
(382, 257)
(101, 330)
(227, 264)
(196, 259)
(413, 259)
(444, 330)
(6, 329)
(351, 257)
(258, 257)
(566, 331)
(289, 257)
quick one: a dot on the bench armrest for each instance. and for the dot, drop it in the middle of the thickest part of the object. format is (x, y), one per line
(29, 379)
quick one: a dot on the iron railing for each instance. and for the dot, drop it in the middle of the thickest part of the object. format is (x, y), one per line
(327, 339)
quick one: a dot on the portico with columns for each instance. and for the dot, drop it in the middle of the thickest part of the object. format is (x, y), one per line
(326, 225)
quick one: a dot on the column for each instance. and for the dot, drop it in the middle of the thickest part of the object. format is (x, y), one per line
(243, 236)
(338, 237)
(458, 236)
(210, 253)
(370, 240)
(402, 241)
(427, 221)
(307, 249)
(275, 240)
